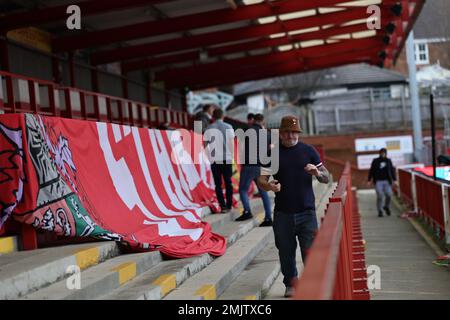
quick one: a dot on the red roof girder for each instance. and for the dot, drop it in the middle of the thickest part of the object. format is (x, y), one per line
(87, 8)
(273, 71)
(183, 23)
(304, 53)
(237, 34)
(285, 60)
(251, 45)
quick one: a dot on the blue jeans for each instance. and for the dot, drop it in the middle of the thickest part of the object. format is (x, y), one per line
(288, 227)
(384, 194)
(249, 174)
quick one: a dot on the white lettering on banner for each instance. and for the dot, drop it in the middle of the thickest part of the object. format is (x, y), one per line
(182, 158)
(143, 161)
(126, 130)
(178, 199)
(117, 133)
(123, 181)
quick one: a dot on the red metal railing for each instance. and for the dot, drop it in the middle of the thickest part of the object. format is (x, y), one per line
(24, 94)
(430, 202)
(404, 182)
(335, 268)
(429, 199)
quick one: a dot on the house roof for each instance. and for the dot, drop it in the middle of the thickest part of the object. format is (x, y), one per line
(345, 76)
(434, 20)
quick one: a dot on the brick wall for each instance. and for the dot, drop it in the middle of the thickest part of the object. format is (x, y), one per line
(437, 52)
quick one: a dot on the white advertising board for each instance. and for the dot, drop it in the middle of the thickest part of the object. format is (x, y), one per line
(394, 144)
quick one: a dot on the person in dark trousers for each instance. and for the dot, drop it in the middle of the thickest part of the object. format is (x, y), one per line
(295, 213)
(222, 162)
(205, 116)
(251, 169)
(382, 173)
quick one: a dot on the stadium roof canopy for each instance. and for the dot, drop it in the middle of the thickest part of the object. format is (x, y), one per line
(204, 43)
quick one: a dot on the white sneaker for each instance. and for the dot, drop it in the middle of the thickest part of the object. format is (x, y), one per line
(290, 292)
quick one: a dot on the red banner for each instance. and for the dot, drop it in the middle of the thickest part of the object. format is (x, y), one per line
(142, 187)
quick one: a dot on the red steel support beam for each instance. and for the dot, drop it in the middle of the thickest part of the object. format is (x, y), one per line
(226, 65)
(94, 80)
(149, 89)
(56, 70)
(88, 8)
(247, 46)
(262, 70)
(183, 101)
(159, 61)
(72, 69)
(124, 87)
(4, 54)
(236, 34)
(183, 23)
(167, 99)
(279, 71)
(289, 67)
(311, 52)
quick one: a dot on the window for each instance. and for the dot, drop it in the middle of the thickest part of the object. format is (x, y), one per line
(421, 53)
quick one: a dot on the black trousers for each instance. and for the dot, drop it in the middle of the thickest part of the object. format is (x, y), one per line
(224, 171)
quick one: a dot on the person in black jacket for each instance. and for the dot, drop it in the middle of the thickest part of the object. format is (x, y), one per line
(382, 172)
(251, 169)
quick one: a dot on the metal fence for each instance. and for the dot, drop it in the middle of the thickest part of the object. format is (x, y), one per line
(353, 115)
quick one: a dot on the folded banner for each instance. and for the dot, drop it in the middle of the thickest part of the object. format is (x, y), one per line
(143, 187)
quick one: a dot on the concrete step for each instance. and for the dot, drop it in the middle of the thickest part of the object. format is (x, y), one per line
(8, 245)
(157, 282)
(100, 279)
(212, 281)
(277, 290)
(257, 278)
(25, 271)
(114, 273)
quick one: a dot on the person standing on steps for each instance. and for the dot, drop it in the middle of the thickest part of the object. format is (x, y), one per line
(295, 213)
(219, 139)
(382, 173)
(251, 169)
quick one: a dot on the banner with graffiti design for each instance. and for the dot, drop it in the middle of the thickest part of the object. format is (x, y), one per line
(142, 187)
